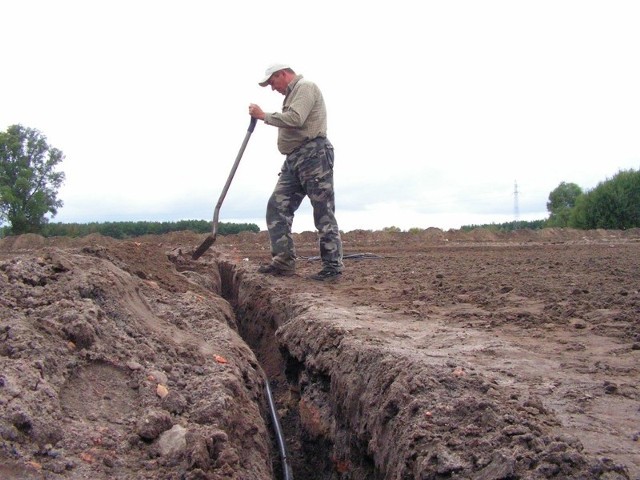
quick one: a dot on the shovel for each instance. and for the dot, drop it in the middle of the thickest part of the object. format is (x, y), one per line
(212, 237)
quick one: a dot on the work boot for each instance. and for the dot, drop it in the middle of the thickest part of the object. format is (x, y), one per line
(325, 275)
(276, 270)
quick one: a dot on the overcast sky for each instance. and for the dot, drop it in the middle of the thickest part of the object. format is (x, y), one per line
(437, 110)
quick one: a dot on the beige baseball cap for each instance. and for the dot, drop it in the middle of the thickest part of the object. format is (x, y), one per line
(276, 67)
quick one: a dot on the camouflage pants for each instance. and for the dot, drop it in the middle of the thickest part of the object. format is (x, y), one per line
(308, 171)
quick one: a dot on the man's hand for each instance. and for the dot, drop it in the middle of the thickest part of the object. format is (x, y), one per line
(256, 112)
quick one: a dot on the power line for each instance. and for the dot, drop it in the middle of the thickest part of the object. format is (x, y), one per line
(516, 208)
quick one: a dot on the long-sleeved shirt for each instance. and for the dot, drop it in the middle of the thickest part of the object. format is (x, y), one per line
(303, 117)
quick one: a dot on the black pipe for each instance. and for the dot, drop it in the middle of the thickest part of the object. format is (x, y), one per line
(286, 468)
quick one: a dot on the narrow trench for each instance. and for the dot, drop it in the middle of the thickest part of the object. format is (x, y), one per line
(311, 452)
(352, 410)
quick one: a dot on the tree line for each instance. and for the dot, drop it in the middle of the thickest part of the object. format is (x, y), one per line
(29, 183)
(508, 226)
(121, 230)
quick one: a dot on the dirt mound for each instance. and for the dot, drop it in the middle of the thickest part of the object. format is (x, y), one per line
(112, 371)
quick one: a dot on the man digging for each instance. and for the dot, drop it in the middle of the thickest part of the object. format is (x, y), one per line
(307, 171)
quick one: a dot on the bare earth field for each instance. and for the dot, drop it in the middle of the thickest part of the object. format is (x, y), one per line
(436, 355)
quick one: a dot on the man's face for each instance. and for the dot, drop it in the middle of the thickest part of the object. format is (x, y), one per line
(278, 82)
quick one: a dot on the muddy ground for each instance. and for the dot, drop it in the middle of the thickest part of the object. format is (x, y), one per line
(437, 355)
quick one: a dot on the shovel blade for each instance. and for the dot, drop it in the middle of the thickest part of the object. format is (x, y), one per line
(204, 246)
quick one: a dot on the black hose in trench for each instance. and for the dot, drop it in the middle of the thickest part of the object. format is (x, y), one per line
(286, 467)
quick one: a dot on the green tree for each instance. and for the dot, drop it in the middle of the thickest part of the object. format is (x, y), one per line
(29, 182)
(561, 202)
(613, 204)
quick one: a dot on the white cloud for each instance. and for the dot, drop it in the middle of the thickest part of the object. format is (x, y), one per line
(436, 110)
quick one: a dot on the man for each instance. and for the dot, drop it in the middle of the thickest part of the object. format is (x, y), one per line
(307, 171)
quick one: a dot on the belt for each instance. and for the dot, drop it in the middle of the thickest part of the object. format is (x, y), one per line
(295, 150)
